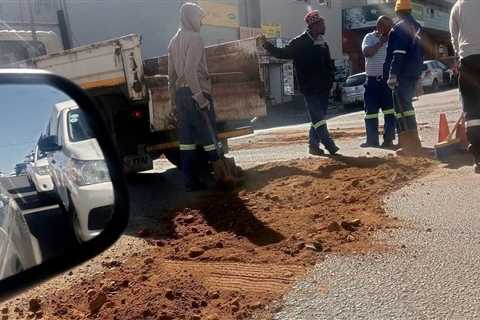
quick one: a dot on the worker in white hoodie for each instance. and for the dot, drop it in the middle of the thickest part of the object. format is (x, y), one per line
(466, 42)
(190, 90)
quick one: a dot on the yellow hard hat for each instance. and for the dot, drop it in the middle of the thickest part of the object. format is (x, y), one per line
(403, 5)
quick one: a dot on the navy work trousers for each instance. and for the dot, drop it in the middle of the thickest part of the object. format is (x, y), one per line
(317, 106)
(192, 132)
(378, 96)
(403, 103)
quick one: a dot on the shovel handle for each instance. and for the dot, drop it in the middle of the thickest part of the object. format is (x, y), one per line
(460, 120)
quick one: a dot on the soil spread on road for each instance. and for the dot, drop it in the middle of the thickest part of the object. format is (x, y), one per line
(231, 256)
(274, 139)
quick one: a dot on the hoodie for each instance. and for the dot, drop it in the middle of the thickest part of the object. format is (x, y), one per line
(464, 28)
(187, 63)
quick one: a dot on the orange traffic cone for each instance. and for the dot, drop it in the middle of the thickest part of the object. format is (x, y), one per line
(461, 134)
(443, 130)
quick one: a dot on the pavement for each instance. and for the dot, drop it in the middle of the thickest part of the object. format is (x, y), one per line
(433, 277)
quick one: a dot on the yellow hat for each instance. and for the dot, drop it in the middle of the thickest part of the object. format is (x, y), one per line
(403, 5)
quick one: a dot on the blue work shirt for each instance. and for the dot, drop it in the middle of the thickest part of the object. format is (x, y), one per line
(404, 51)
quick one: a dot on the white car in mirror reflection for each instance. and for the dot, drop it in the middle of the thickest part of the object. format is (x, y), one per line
(19, 249)
(78, 170)
(38, 172)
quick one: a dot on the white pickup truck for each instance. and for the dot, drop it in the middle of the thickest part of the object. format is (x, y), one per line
(132, 94)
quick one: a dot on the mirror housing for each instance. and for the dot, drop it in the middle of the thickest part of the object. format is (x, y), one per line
(48, 144)
(119, 219)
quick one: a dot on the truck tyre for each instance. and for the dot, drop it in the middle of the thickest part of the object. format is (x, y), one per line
(173, 155)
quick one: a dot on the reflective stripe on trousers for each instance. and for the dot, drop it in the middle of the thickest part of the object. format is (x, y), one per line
(317, 105)
(378, 96)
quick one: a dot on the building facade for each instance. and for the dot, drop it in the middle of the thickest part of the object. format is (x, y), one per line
(157, 21)
(289, 15)
(359, 18)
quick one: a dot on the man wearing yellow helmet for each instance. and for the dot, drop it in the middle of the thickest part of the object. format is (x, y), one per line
(403, 67)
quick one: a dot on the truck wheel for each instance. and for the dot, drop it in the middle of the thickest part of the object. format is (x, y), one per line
(173, 155)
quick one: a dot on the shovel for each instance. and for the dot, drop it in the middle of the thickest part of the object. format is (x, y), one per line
(226, 172)
(407, 139)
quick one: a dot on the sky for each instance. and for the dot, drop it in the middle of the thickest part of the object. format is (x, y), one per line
(24, 114)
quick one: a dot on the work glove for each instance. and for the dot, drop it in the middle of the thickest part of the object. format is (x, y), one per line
(202, 101)
(392, 82)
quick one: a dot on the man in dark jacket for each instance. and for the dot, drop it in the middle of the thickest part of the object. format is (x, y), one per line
(315, 73)
(403, 67)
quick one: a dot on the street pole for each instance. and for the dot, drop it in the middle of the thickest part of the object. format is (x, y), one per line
(67, 20)
(32, 22)
(32, 28)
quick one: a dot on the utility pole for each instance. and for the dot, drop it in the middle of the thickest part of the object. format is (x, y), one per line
(32, 22)
(32, 28)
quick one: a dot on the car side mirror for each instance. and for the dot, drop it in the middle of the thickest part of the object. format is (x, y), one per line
(46, 232)
(48, 144)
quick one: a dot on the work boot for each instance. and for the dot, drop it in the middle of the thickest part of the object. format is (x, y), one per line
(410, 144)
(316, 151)
(476, 168)
(387, 144)
(333, 150)
(369, 145)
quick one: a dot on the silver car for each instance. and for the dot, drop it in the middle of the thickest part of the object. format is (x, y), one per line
(19, 249)
(353, 90)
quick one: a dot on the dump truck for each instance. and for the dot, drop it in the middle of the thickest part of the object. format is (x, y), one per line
(133, 98)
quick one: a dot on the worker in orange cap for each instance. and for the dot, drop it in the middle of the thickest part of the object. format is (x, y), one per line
(403, 67)
(315, 73)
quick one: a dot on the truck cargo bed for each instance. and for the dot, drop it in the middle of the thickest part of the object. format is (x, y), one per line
(238, 87)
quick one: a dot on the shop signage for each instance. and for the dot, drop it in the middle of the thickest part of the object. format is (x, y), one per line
(220, 14)
(272, 30)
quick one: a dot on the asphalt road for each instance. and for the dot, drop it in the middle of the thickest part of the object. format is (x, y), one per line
(46, 220)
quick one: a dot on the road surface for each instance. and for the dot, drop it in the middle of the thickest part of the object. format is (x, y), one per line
(434, 276)
(46, 220)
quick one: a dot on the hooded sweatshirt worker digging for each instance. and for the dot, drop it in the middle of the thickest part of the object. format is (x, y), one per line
(315, 74)
(190, 89)
(403, 68)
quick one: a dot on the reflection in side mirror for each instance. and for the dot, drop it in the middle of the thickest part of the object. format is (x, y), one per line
(48, 144)
(61, 197)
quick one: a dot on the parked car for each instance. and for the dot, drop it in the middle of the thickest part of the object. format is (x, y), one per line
(353, 90)
(19, 249)
(38, 172)
(79, 172)
(436, 74)
(452, 63)
(21, 169)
